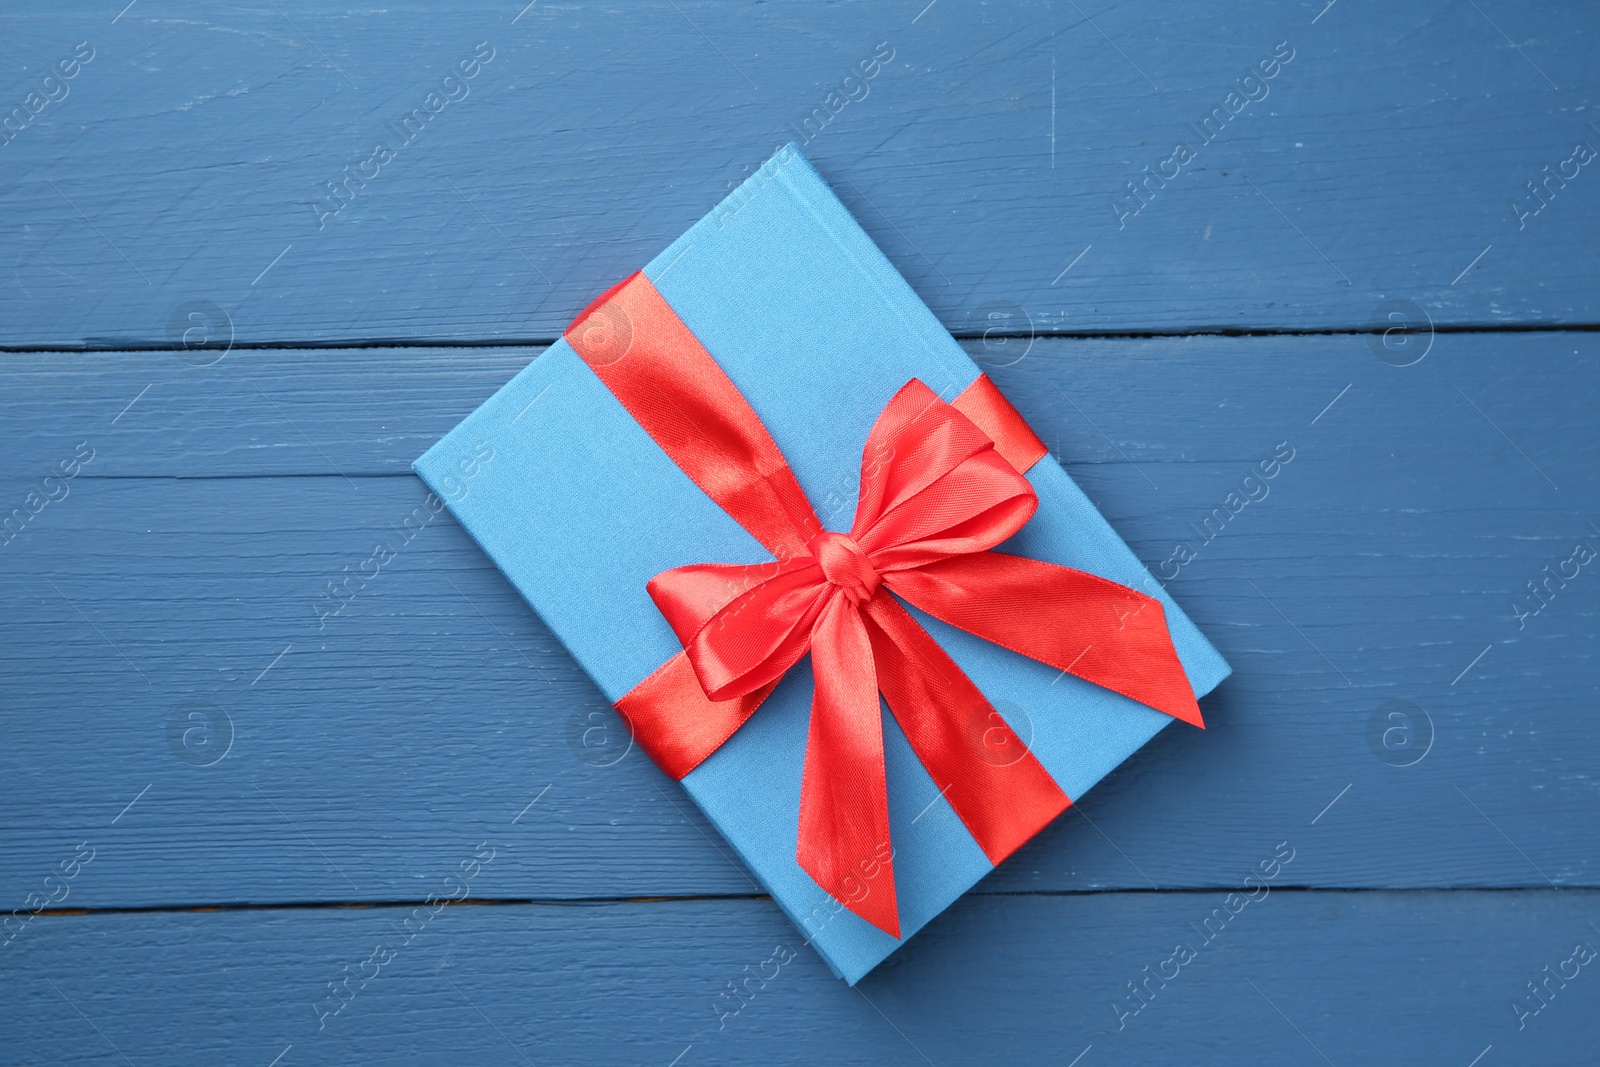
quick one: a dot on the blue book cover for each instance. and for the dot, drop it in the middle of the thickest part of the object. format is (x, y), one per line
(581, 508)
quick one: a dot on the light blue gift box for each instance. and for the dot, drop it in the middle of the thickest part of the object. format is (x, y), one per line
(580, 508)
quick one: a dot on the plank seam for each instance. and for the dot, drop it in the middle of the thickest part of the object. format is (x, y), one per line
(582, 902)
(959, 335)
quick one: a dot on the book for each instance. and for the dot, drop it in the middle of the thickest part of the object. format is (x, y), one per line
(580, 509)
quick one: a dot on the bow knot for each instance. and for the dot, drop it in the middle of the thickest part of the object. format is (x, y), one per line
(845, 565)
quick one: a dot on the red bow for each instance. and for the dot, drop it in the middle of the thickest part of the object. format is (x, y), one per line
(935, 497)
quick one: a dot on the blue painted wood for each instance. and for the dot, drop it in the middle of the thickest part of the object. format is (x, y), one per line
(1291, 978)
(199, 541)
(1406, 712)
(986, 156)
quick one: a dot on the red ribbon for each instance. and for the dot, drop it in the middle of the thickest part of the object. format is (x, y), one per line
(937, 494)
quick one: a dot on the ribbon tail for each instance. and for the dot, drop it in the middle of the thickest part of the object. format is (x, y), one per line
(844, 798)
(998, 788)
(1092, 628)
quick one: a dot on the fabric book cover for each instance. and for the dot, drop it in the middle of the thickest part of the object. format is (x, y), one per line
(759, 484)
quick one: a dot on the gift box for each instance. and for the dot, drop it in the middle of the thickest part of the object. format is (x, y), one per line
(821, 566)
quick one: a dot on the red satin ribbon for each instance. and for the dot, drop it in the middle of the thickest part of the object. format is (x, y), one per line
(941, 485)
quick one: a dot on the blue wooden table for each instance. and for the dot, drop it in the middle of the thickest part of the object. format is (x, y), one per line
(259, 256)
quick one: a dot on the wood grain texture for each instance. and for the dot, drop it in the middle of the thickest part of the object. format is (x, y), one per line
(1292, 978)
(226, 793)
(1382, 161)
(189, 563)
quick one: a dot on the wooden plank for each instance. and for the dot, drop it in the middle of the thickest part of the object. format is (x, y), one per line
(1304, 978)
(371, 411)
(990, 158)
(434, 708)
